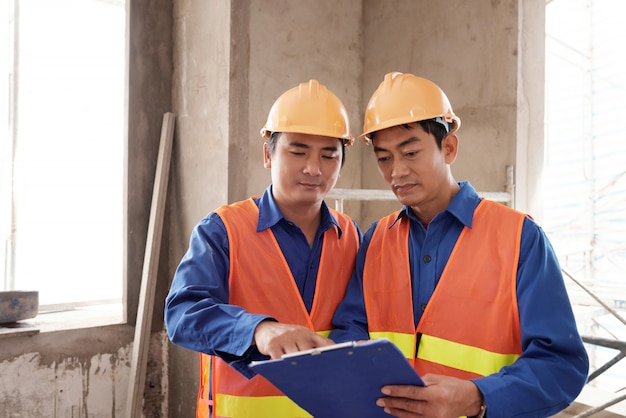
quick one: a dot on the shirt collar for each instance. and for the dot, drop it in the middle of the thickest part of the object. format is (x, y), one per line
(270, 214)
(463, 204)
(461, 207)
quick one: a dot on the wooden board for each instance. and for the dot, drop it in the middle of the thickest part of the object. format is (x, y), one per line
(137, 380)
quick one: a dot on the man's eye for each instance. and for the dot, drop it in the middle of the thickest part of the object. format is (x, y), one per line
(330, 157)
(383, 159)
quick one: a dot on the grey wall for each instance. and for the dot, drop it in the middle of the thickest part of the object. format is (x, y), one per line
(470, 50)
(219, 65)
(292, 42)
(200, 172)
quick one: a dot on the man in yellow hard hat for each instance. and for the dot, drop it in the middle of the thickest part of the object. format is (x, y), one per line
(262, 277)
(470, 290)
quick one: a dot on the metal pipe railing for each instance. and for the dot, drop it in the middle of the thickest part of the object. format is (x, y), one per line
(602, 342)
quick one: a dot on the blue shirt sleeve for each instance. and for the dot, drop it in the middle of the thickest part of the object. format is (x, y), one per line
(554, 364)
(197, 313)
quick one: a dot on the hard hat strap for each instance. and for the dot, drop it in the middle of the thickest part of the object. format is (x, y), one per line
(441, 120)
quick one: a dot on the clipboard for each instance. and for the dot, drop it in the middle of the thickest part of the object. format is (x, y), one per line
(341, 380)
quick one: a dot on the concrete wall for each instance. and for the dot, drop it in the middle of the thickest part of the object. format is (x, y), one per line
(292, 42)
(79, 373)
(219, 65)
(470, 49)
(200, 172)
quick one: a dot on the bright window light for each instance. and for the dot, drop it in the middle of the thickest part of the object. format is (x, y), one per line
(62, 163)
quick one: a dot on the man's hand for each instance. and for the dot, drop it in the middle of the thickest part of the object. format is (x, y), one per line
(275, 339)
(442, 397)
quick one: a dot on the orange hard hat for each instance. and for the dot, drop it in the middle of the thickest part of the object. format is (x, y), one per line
(309, 108)
(405, 98)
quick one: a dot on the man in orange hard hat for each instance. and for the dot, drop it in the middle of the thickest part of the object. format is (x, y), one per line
(262, 277)
(470, 290)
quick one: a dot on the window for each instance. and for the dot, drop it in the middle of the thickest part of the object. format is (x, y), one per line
(585, 175)
(61, 180)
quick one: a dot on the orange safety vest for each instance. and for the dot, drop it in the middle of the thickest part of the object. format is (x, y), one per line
(261, 282)
(470, 327)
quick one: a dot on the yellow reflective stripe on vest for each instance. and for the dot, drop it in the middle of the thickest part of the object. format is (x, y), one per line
(405, 342)
(258, 407)
(462, 357)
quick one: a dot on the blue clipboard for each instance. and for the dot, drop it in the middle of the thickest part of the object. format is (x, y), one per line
(341, 380)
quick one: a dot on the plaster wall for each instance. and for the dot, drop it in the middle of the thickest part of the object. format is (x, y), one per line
(82, 373)
(292, 42)
(529, 136)
(470, 49)
(201, 171)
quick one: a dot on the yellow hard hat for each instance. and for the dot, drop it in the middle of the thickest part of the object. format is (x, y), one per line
(405, 98)
(309, 108)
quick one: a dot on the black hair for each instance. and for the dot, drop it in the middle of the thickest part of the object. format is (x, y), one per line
(271, 145)
(430, 126)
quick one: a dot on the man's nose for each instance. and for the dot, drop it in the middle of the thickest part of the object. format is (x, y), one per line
(312, 166)
(399, 168)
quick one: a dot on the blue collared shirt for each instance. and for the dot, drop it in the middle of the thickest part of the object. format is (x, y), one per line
(553, 366)
(198, 315)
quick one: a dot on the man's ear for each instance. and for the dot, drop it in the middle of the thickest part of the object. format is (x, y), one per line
(267, 158)
(450, 147)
